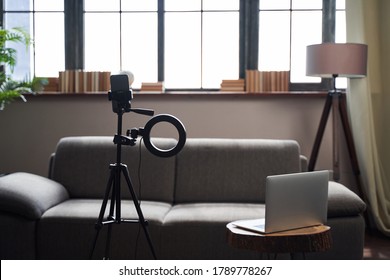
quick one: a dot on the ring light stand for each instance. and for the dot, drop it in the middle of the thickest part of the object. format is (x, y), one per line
(121, 104)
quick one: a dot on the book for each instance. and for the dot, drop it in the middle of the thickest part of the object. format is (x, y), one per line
(233, 85)
(152, 87)
(72, 81)
(266, 81)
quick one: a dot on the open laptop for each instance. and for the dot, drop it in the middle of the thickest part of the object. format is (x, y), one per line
(292, 201)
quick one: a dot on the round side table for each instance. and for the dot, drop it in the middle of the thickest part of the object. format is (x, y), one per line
(303, 240)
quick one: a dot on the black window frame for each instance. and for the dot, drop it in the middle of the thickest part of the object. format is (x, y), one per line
(248, 37)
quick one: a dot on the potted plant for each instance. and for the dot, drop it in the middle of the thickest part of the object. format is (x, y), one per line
(9, 88)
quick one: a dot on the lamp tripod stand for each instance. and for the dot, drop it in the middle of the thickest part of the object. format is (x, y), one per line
(336, 100)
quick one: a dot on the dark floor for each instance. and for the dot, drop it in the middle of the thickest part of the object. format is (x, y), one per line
(377, 246)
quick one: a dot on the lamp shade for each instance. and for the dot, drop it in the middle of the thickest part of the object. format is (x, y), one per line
(343, 60)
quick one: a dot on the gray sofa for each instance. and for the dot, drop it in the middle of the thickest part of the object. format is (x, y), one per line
(187, 199)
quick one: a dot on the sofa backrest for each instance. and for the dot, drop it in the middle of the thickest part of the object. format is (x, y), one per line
(206, 170)
(81, 164)
(226, 170)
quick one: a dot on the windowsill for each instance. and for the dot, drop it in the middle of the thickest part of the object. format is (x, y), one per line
(200, 93)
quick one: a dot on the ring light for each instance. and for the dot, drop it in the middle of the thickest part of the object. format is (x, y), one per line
(176, 123)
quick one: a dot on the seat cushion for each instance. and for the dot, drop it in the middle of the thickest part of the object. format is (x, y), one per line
(200, 213)
(198, 230)
(67, 230)
(89, 209)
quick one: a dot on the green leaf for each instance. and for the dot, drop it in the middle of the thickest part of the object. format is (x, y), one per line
(9, 95)
(10, 89)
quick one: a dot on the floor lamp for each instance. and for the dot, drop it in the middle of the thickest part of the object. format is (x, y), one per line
(331, 60)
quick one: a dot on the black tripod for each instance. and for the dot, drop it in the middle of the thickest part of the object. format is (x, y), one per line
(114, 186)
(336, 100)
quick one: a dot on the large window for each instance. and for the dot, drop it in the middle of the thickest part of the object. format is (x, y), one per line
(122, 35)
(44, 19)
(188, 44)
(201, 43)
(199, 36)
(285, 29)
(295, 24)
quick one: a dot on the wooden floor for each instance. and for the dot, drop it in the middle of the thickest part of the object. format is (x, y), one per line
(377, 247)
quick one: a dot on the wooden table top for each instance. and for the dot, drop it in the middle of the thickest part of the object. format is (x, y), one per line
(309, 239)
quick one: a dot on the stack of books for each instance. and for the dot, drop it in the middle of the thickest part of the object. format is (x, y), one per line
(267, 81)
(71, 81)
(152, 87)
(233, 85)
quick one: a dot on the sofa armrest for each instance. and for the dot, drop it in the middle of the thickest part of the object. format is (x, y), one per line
(343, 202)
(51, 165)
(29, 195)
(304, 164)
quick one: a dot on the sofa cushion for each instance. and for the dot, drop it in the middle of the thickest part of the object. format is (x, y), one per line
(343, 202)
(188, 225)
(29, 195)
(67, 230)
(81, 164)
(199, 213)
(89, 209)
(225, 170)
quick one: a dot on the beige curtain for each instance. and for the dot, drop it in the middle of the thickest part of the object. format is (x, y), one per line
(368, 21)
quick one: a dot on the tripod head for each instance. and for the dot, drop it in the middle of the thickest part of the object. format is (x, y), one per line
(121, 95)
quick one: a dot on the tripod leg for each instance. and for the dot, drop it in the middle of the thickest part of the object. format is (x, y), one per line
(99, 222)
(320, 132)
(114, 205)
(335, 136)
(108, 243)
(139, 211)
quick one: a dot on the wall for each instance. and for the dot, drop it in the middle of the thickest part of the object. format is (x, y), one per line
(31, 130)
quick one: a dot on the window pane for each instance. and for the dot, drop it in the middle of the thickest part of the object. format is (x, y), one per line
(137, 5)
(49, 5)
(182, 50)
(221, 5)
(21, 5)
(49, 44)
(220, 48)
(24, 57)
(102, 42)
(341, 31)
(274, 4)
(139, 46)
(341, 37)
(180, 5)
(274, 43)
(307, 4)
(306, 30)
(101, 5)
(340, 4)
